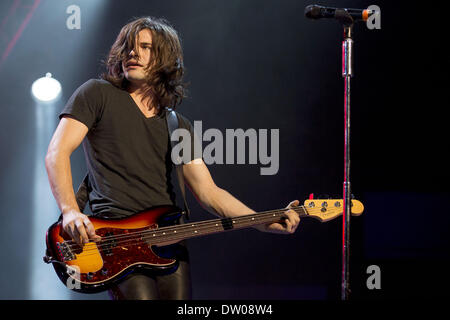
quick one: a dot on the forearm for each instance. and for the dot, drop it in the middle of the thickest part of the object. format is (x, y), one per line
(60, 178)
(223, 204)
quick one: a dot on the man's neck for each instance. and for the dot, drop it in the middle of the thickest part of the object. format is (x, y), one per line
(136, 89)
(137, 92)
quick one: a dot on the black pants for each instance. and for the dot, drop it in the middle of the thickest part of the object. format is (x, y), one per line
(173, 286)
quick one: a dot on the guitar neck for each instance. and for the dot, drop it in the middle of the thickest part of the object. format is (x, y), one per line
(198, 229)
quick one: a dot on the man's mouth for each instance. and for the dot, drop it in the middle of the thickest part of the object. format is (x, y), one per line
(132, 64)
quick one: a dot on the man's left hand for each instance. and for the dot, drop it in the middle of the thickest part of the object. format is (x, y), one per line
(289, 225)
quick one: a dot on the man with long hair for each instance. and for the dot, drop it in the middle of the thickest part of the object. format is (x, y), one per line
(121, 120)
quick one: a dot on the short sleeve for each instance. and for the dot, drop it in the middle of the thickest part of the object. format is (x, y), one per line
(196, 153)
(85, 104)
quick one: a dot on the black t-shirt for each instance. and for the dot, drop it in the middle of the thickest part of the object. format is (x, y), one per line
(127, 154)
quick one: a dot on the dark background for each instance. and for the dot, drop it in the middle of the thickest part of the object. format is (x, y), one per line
(263, 65)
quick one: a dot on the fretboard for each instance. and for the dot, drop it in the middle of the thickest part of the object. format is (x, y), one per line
(202, 228)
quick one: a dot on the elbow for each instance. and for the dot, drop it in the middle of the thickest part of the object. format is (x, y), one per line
(53, 157)
(50, 159)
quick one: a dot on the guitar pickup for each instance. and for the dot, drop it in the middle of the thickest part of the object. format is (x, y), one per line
(109, 245)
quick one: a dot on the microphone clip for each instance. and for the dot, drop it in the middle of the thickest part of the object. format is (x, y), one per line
(344, 17)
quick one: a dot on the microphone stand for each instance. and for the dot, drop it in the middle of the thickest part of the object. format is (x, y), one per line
(347, 72)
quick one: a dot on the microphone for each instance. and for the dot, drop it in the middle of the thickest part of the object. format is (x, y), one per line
(318, 12)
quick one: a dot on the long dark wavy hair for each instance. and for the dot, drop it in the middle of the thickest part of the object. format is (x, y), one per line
(166, 88)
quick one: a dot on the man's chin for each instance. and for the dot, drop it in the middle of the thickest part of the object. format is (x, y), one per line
(135, 80)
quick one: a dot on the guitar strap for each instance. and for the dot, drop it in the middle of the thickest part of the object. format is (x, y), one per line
(172, 124)
(82, 195)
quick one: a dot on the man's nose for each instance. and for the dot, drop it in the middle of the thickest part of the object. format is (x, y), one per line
(133, 53)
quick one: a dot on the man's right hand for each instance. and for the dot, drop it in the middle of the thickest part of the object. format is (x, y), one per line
(78, 226)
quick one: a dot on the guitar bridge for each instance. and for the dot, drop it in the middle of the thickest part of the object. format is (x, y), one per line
(64, 251)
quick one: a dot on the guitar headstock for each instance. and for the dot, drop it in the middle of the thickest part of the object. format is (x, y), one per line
(328, 209)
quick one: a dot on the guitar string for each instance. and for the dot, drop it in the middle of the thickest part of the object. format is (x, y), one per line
(172, 237)
(160, 232)
(199, 224)
(169, 238)
(181, 227)
(189, 225)
(212, 226)
(209, 225)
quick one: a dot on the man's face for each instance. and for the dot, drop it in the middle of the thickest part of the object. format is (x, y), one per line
(133, 66)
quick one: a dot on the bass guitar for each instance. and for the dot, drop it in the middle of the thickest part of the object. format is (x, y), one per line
(130, 244)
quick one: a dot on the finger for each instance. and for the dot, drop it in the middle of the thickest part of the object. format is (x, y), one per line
(293, 217)
(293, 227)
(76, 236)
(69, 229)
(290, 216)
(294, 203)
(82, 231)
(287, 225)
(291, 205)
(90, 229)
(297, 222)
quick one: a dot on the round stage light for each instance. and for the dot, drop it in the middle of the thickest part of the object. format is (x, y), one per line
(46, 89)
